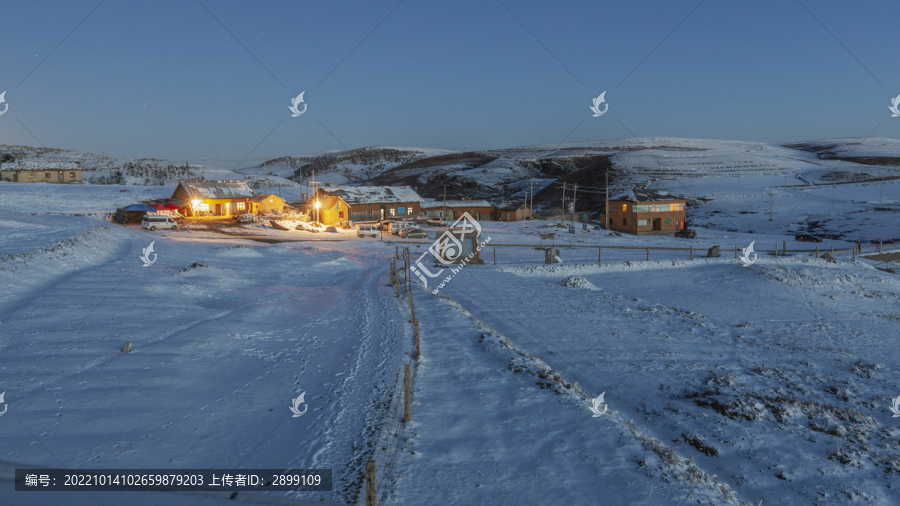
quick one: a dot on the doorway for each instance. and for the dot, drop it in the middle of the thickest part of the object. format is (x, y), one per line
(218, 209)
(657, 223)
(61, 180)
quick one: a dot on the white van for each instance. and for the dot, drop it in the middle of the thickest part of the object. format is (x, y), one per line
(366, 230)
(151, 222)
(397, 226)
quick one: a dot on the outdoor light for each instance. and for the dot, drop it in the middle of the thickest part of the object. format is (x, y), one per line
(195, 203)
(318, 204)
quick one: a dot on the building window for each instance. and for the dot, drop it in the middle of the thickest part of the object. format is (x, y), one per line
(624, 221)
(47, 175)
(71, 174)
(658, 208)
(240, 206)
(204, 208)
(369, 213)
(392, 211)
(341, 215)
(401, 210)
(31, 175)
(624, 208)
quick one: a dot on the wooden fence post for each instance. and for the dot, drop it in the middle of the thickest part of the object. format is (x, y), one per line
(600, 255)
(735, 252)
(371, 496)
(127, 347)
(692, 251)
(407, 395)
(648, 253)
(416, 330)
(854, 254)
(776, 250)
(412, 309)
(879, 246)
(495, 256)
(817, 251)
(784, 248)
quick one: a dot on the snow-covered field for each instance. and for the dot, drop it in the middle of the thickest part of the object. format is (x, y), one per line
(725, 384)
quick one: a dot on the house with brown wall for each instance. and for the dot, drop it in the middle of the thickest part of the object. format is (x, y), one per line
(370, 203)
(645, 212)
(453, 209)
(510, 211)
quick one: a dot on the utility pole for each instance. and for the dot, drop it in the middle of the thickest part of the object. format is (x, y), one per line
(606, 214)
(563, 209)
(266, 177)
(444, 210)
(770, 206)
(531, 207)
(203, 170)
(573, 204)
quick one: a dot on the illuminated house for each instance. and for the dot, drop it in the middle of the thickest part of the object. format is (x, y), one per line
(646, 212)
(266, 204)
(369, 203)
(213, 198)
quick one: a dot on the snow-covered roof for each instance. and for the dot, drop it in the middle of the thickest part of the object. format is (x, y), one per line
(263, 196)
(645, 195)
(217, 189)
(438, 204)
(374, 194)
(509, 206)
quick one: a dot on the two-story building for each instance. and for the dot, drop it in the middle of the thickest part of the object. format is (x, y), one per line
(645, 212)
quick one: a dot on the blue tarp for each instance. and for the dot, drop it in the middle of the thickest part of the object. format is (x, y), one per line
(140, 208)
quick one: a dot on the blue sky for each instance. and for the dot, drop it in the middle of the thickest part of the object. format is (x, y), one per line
(165, 79)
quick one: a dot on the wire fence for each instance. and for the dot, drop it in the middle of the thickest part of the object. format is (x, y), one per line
(393, 437)
(512, 254)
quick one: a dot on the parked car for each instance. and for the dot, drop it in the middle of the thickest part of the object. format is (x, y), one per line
(386, 224)
(687, 233)
(807, 238)
(436, 222)
(366, 230)
(162, 222)
(397, 226)
(413, 233)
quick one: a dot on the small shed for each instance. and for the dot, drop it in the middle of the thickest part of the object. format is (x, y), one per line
(133, 213)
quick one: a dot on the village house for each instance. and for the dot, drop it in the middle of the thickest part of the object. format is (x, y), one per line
(645, 212)
(365, 203)
(510, 211)
(45, 172)
(213, 198)
(266, 204)
(478, 209)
